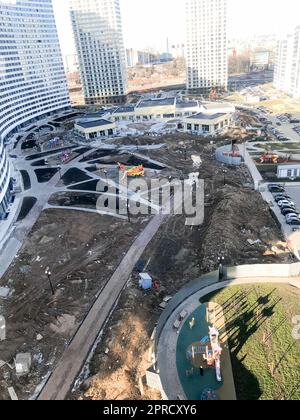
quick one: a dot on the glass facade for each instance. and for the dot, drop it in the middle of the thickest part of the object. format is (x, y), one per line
(32, 77)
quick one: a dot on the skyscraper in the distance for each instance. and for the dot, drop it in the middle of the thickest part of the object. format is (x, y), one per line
(32, 77)
(206, 45)
(98, 37)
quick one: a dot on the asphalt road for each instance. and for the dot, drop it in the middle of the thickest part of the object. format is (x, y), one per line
(294, 192)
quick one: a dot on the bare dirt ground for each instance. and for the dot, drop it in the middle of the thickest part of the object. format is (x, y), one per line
(278, 103)
(82, 250)
(234, 215)
(156, 76)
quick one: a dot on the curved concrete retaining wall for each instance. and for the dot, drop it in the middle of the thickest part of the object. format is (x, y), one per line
(228, 160)
(241, 271)
(263, 270)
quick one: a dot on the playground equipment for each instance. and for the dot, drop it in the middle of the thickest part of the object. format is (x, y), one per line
(132, 171)
(268, 157)
(213, 95)
(55, 142)
(192, 323)
(212, 354)
(209, 395)
(216, 351)
(65, 156)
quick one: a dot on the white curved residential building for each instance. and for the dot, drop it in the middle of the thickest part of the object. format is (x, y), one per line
(5, 182)
(32, 78)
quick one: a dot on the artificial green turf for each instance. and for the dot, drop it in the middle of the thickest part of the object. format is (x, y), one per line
(265, 356)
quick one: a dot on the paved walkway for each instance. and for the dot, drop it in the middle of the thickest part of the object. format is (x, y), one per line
(70, 365)
(12, 240)
(257, 178)
(167, 344)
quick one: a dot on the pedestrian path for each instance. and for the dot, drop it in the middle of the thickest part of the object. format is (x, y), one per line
(74, 357)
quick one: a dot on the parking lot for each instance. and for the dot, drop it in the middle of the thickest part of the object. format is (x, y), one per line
(291, 233)
(281, 125)
(294, 192)
(286, 129)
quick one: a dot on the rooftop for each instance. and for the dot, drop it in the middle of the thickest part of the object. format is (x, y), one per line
(291, 164)
(125, 109)
(91, 124)
(187, 104)
(216, 105)
(202, 116)
(95, 115)
(156, 102)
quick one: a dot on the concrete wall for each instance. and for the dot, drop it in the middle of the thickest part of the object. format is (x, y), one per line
(264, 270)
(228, 160)
(257, 178)
(242, 271)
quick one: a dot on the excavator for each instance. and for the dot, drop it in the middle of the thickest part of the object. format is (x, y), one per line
(213, 96)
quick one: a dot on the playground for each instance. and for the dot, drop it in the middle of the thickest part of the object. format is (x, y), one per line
(264, 353)
(203, 360)
(267, 157)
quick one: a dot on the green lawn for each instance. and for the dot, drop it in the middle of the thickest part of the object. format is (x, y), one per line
(267, 167)
(265, 356)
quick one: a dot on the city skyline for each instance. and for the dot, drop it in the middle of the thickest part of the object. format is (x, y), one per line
(281, 21)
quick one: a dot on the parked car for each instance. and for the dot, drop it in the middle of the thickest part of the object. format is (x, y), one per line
(281, 196)
(292, 216)
(294, 222)
(287, 210)
(286, 203)
(275, 188)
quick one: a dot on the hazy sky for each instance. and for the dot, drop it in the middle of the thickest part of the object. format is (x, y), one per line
(150, 22)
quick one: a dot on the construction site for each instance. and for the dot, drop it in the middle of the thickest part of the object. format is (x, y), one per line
(84, 250)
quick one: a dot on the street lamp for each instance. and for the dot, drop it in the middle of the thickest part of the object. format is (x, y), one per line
(224, 173)
(185, 152)
(48, 274)
(128, 210)
(221, 261)
(105, 173)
